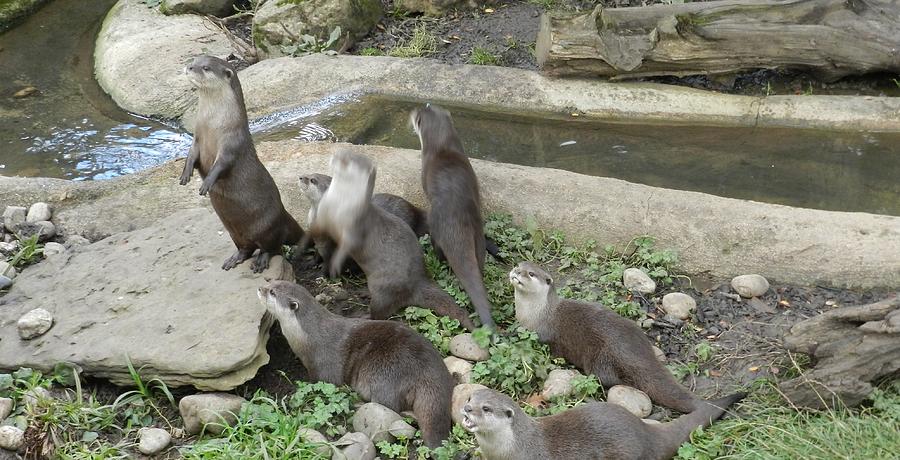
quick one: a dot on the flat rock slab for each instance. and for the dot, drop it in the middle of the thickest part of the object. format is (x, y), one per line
(157, 295)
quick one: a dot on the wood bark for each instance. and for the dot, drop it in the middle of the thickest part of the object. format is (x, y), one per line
(829, 38)
(852, 347)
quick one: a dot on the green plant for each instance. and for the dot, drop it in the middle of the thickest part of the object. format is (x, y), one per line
(139, 406)
(518, 365)
(307, 44)
(422, 43)
(459, 441)
(371, 51)
(437, 329)
(29, 252)
(896, 81)
(321, 405)
(482, 56)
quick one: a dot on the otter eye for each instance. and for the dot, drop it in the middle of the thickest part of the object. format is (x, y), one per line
(206, 68)
(509, 413)
(531, 274)
(294, 305)
(312, 181)
(486, 409)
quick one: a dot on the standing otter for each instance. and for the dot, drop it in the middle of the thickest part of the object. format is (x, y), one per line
(384, 361)
(385, 247)
(240, 189)
(590, 431)
(594, 339)
(455, 221)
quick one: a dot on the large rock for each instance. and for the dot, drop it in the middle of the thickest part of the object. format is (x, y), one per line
(213, 7)
(39, 211)
(355, 446)
(209, 412)
(375, 421)
(162, 285)
(133, 37)
(11, 438)
(13, 217)
(282, 22)
(750, 285)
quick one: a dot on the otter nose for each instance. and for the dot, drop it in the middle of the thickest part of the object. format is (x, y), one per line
(467, 408)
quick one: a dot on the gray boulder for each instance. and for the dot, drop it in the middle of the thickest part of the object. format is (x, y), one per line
(213, 7)
(679, 305)
(355, 446)
(464, 346)
(11, 438)
(6, 407)
(161, 285)
(634, 279)
(314, 437)
(559, 383)
(44, 230)
(209, 412)
(375, 421)
(13, 217)
(635, 401)
(748, 286)
(153, 440)
(459, 368)
(280, 23)
(39, 211)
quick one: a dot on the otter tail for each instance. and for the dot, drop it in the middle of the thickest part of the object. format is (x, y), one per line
(432, 410)
(667, 392)
(676, 432)
(465, 266)
(431, 296)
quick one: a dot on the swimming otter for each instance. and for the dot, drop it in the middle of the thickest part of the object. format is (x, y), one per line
(594, 430)
(454, 220)
(240, 189)
(384, 361)
(383, 245)
(595, 339)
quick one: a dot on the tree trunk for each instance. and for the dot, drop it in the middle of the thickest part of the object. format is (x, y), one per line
(852, 347)
(830, 38)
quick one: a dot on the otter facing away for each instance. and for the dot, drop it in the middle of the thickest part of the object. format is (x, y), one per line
(595, 339)
(384, 361)
(240, 188)
(596, 430)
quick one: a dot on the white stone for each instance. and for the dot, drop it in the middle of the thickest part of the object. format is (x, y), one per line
(635, 401)
(660, 355)
(209, 410)
(748, 286)
(13, 217)
(34, 323)
(679, 305)
(5, 282)
(7, 270)
(461, 394)
(9, 249)
(635, 279)
(52, 249)
(153, 440)
(312, 436)
(356, 446)
(559, 383)
(375, 421)
(459, 368)
(38, 212)
(401, 429)
(11, 438)
(464, 346)
(6, 407)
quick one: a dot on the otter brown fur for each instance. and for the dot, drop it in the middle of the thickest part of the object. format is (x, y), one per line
(240, 188)
(590, 431)
(384, 246)
(454, 217)
(384, 361)
(595, 339)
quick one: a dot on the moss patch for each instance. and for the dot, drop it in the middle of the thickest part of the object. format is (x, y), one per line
(13, 10)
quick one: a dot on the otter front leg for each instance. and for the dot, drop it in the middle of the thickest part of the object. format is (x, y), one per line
(261, 262)
(224, 161)
(241, 255)
(190, 163)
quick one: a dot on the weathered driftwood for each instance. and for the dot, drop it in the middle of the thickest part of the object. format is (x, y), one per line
(852, 346)
(830, 38)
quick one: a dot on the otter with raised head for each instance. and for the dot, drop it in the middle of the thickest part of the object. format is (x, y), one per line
(454, 220)
(384, 246)
(594, 339)
(384, 361)
(241, 191)
(594, 430)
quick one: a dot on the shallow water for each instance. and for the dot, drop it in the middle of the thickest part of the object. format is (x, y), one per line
(841, 171)
(69, 128)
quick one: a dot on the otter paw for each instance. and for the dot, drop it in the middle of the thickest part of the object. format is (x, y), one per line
(204, 189)
(260, 263)
(185, 178)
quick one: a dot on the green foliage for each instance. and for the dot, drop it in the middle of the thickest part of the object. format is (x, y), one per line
(585, 387)
(321, 405)
(371, 51)
(307, 44)
(483, 56)
(518, 365)
(29, 252)
(459, 441)
(397, 449)
(437, 329)
(422, 43)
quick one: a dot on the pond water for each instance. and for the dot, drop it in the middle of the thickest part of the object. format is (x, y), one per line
(71, 129)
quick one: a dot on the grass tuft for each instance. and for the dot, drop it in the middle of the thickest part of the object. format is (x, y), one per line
(422, 43)
(483, 56)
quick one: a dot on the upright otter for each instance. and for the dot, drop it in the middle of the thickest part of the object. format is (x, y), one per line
(385, 247)
(384, 361)
(240, 189)
(594, 339)
(590, 431)
(455, 221)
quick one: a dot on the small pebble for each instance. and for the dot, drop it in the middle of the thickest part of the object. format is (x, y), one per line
(459, 368)
(750, 285)
(7, 270)
(679, 305)
(52, 249)
(356, 446)
(6, 407)
(375, 421)
(559, 383)
(38, 212)
(34, 323)
(635, 401)
(634, 279)
(153, 440)
(11, 438)
(464, 346)
(207, 411)
(5, 282)
(13, 217)
(314, 437)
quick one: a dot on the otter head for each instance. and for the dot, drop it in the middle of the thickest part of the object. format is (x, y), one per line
(314, 186)
(353, 166)
(434, 126)
(531, 280)
(210, 73)
(289, 303)
(490, 415)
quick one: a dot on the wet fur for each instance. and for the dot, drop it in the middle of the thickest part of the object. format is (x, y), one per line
(454, 218)
(241, 191)
(385, 248)
(590, 431)
(595, 339)
(384, 361)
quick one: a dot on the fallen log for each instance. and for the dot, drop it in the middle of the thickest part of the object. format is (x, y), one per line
(852, 347)
(828, 38)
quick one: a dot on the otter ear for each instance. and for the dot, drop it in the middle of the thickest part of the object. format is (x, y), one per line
(294, 305)
(229, 73)
(508, 412)
(549, 280)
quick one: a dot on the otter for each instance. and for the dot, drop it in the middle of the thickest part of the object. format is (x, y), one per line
(382, 245)
(454, 218)
(592, 430)
(384, 361)
(241, 191)
(594, 339)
